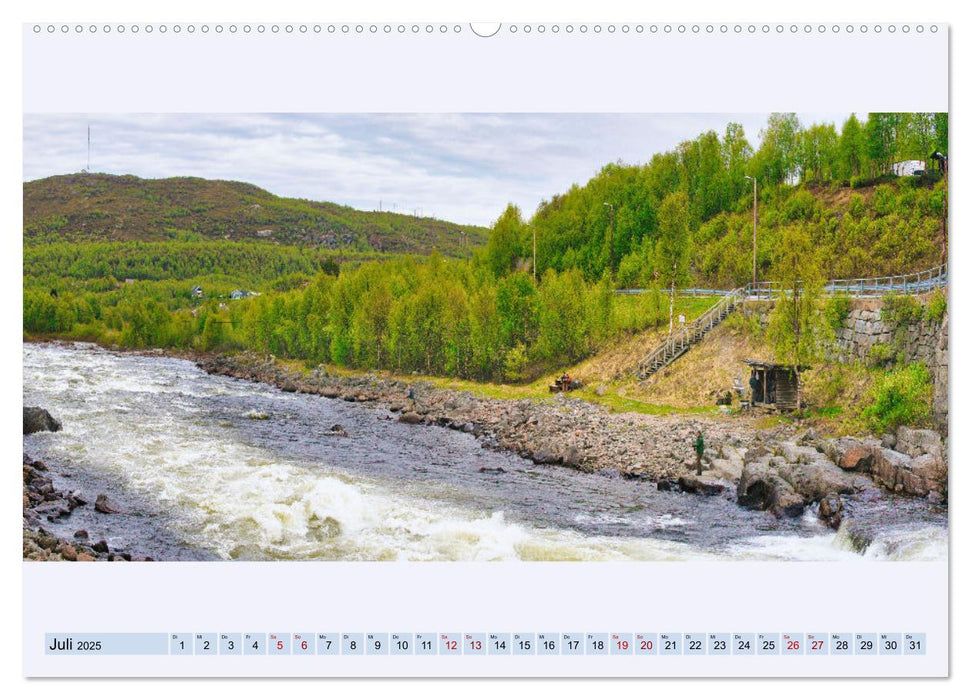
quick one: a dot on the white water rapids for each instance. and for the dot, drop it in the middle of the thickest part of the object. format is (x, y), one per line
(200, 477)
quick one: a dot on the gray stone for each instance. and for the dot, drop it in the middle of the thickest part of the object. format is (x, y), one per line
(704, 485)
(918, 442)
(103, 504)
(761, 489)
(37, 419)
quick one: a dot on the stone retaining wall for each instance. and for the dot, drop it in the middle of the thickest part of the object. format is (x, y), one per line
(863, 328)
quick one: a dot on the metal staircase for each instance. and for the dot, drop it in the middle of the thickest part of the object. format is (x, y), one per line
(679, 342)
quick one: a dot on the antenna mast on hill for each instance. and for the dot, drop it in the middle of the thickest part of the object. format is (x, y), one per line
(88, 169)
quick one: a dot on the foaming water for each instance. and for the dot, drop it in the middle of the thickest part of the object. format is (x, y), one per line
(210, 467)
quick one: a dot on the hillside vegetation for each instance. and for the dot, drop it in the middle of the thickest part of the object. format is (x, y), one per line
(686, 216)
(91, 207)
(115, 260)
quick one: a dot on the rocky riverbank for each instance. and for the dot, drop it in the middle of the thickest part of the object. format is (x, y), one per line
(784, 470)
(44, 503)
(561, 430)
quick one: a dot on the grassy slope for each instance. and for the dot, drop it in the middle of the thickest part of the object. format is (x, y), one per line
(98, 207)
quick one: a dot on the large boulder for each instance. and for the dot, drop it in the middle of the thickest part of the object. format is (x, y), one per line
(916, 465)
(915, 443)
(813, 480)
(37, 419)
(856, 457)
(851, 454)
(761, 488)
(895, 471)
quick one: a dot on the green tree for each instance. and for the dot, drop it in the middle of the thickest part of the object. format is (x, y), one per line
(673, 245)
(852, 148)
(736, 153)
(516, 305)
(819, 152)
(505, 242)
(940, 131)
(777, 160)
(796, 329)
(881, 138)
(562, 317)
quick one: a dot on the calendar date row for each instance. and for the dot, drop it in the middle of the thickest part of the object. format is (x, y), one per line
(489, 644)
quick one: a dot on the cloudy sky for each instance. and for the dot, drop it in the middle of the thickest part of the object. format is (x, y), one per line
(460, 167)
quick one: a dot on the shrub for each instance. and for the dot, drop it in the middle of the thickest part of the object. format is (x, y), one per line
(901, 397)
(836, 310)
(517, 359)
(901, 310)
(936, 307)
(746, 324)
(881, 355)
(884, 200)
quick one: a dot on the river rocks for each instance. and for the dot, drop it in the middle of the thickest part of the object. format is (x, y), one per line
(562, 430)
(858, 535)
(854, 455)
(831, 510)
(44, 502)
(816, 478)
(760, 488)
(915, 466)
(704, 485)
(491, 470)
(542, 456)
(571, 457)
(918, 442)
(729, 466)
(667, 484)
(786, 482)
(41, 500)
(37, 419)
(105, 505)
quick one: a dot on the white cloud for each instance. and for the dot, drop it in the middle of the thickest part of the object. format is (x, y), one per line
(461, 167)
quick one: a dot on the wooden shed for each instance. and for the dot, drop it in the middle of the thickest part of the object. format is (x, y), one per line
(775, 385)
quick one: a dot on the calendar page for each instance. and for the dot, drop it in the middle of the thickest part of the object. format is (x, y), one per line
(435, 348)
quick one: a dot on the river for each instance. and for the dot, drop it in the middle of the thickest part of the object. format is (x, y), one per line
(209, 467)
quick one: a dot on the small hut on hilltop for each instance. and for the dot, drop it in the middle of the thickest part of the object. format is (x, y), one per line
(774, 385)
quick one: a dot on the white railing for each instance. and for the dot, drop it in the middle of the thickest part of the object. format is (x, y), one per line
(913, 283)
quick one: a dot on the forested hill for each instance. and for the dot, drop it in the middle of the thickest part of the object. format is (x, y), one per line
(870, 196)
(88, 207)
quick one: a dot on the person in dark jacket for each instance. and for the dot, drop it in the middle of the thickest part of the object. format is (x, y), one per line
(699, 451)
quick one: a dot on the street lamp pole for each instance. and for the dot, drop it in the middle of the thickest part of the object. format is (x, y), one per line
(610, 238)
(534, 253)
(755, 223)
